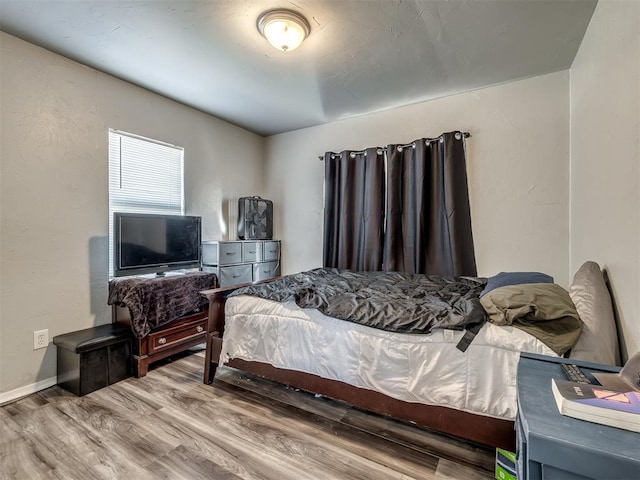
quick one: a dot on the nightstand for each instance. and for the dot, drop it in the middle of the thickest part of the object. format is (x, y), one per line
(551, 446)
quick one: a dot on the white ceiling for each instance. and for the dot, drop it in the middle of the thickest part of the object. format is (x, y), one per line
(362, 55)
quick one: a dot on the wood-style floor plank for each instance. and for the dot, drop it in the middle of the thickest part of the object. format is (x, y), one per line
(170, 425)
(347, 440)
(402, 433)
(421, 439)
(261, 461)
(279, 435)
(190, 466)
(289, 396)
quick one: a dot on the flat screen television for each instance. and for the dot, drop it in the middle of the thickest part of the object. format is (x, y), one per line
(148, 243)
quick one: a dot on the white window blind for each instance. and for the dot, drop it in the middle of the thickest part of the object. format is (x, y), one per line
(145, 176)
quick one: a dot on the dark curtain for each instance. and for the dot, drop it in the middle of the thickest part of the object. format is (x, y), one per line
(354, 210)
(428, 216)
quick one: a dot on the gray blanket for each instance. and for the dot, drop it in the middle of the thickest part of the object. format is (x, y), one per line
(391, 301)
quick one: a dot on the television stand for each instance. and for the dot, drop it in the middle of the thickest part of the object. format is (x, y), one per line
(166, 314)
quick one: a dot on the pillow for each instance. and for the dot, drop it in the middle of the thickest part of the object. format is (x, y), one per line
(599, 340)
(504, 279)
(543, 310)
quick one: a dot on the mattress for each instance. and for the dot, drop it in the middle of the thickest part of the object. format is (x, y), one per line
(426, 369)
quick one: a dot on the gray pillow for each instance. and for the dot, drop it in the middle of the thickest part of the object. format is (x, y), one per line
(599, 339)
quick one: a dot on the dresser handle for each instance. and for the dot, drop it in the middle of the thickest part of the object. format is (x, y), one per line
(162, 341)
(199, 329)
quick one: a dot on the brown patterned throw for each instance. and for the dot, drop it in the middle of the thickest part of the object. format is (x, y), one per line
(155, 301)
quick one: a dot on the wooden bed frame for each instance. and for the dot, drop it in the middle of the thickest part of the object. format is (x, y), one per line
(480, 429)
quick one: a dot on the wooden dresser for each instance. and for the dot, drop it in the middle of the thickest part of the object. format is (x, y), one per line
(171, 335)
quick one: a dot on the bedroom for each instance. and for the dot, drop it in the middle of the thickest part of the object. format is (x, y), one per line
(535, 158)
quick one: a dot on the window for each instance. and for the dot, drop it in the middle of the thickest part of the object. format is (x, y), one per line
(145, 176)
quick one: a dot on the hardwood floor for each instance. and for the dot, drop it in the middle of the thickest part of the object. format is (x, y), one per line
(170, 425)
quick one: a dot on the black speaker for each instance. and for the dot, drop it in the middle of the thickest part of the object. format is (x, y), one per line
(255, 218)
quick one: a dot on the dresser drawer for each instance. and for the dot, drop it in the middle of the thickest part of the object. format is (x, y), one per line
(211, 269)
(174, 336)
(235, 274)
(209, 253)
(251, 252)
(271, 251)
(262, 271)
(230, 253)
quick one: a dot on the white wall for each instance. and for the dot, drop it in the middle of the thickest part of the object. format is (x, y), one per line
(517, 166)
(55, 114)
(605, 157)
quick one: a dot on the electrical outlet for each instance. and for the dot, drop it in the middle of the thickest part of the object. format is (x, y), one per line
(40, 339)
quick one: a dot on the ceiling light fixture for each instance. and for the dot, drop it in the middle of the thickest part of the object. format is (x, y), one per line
(284, 29)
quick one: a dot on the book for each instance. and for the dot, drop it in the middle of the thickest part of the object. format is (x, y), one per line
(627, 379)
(505, 465)
(598, 404)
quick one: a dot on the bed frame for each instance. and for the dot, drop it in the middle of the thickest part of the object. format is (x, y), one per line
(487, 431)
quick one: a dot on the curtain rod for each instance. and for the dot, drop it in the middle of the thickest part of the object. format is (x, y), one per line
(427, 140)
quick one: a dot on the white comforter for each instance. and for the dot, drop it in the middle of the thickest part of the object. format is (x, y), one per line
(415, 368)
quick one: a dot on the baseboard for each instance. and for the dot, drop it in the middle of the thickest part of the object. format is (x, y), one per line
(27, 390)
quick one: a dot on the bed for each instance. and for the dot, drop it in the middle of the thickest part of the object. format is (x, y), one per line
(421, 378)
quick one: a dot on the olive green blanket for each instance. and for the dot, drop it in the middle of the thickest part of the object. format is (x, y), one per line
(543, 310)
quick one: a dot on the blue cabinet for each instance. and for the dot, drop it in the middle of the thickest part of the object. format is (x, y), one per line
(551, 446)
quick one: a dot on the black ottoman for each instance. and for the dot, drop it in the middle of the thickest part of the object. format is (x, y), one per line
(93, 358)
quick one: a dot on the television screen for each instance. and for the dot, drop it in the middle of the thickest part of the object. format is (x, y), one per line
(147, 243)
